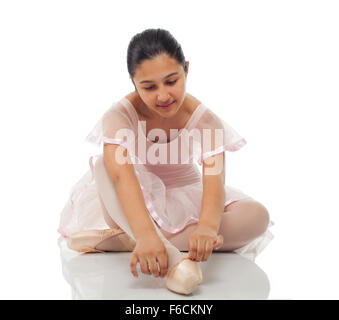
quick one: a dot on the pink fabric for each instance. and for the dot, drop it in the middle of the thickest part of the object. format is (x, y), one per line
(172, 192)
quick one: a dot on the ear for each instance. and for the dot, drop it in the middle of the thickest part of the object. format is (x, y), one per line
(187, 67)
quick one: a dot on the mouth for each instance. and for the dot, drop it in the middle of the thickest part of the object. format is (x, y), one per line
(166, 106)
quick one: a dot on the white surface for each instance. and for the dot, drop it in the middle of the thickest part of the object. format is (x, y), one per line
(269, 68)
(106, 276)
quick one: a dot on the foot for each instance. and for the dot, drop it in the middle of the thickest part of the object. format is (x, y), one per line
(184, 276)
(121, 243)
(114, 239)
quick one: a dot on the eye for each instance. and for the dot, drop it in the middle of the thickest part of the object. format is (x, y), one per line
(149, 88)
(169, 82)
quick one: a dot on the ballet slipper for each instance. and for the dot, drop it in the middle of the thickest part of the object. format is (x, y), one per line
(184, 276)
(87, 240)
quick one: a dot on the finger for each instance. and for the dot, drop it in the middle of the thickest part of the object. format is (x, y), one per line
(193, 250)
(208, 250)
(200, 250)
(144, 266)
(163, 264)
(218, 242)
(153, 266)
(133, 265)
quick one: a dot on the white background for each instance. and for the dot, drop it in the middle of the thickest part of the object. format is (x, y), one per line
(269, 68)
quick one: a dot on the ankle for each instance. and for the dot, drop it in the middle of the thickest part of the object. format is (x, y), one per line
(174, 255)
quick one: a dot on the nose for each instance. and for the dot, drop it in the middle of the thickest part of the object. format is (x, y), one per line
(163, 96)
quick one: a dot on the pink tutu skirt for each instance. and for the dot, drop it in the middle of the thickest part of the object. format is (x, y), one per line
(172, 208)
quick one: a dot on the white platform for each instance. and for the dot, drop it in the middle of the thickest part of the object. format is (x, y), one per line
(107, 276)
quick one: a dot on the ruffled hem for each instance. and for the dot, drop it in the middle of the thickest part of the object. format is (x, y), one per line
(83, 209)
(256, 246)
(158, 198)
(160, 222)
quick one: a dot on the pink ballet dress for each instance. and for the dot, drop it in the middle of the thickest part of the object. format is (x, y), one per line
(169, 173)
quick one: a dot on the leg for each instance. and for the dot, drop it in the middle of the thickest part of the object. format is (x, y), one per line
(114, 214)
(112, 211)
(123, 243)
(110, 222)
(242, 222)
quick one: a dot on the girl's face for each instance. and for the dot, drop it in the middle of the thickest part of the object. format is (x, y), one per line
(161, 81)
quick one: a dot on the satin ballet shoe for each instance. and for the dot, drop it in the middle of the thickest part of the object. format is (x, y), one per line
(184, 276)
(86, 241)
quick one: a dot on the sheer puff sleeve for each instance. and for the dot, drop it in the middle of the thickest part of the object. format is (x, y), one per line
(216, 136)
(113, 127)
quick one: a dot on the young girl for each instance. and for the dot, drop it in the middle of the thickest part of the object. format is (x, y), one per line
(145, 192)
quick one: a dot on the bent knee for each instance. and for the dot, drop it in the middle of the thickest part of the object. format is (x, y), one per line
(262, 216)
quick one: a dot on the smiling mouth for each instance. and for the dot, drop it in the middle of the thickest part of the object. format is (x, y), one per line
(167, 105)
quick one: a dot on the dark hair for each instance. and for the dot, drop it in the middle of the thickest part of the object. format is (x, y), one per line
(150, 43)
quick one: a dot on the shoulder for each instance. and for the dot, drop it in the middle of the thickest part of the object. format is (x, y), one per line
(116, 114)
(192, 103)
(130, 97)
(138, 105)
(209, 119)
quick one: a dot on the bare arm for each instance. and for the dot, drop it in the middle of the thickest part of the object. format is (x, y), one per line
(205, 237)
(213, 191)
(128, 191)
(150, 250)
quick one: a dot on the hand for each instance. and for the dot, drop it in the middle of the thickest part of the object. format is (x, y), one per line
(202, 241)
(149, 251)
